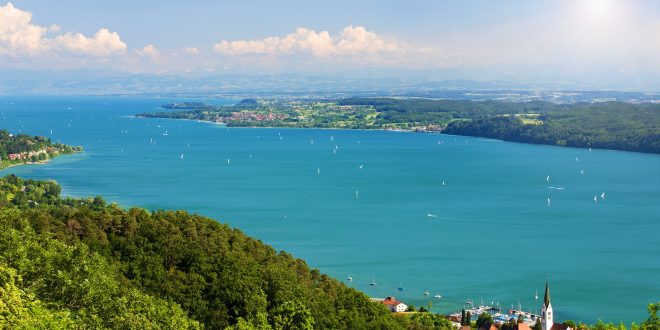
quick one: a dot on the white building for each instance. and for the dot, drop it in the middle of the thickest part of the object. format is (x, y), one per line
(547, 319)
(392, 304)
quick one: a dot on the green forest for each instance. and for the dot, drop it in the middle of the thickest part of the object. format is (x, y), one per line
(83, 263)
(605, 125)
(617, 126)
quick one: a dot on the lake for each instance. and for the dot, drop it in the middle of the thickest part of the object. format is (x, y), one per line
(466, 218)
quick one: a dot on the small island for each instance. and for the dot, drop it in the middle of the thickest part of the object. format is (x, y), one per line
(25, 149)
(602, 125)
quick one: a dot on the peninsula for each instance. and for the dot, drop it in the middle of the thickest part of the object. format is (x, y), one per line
(25, 149)
(602, 125)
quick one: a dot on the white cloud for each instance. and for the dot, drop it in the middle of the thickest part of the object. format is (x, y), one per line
(54, 28)
(359, 40)
(104, 43)
(192, 50)
(351, 41)
(18, 36)
(149, 50)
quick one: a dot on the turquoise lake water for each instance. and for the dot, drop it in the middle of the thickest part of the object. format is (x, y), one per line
(487, 234)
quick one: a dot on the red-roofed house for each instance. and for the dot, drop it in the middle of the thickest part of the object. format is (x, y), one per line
(394, 305)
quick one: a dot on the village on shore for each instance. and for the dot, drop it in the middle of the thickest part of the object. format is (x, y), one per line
(496, 319)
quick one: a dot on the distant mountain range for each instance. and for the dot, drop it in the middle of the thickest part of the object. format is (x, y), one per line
(107, 82)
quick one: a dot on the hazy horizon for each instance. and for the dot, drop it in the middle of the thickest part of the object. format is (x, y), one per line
(584, 44)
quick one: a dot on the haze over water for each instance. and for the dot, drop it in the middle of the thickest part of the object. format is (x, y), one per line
(487, 233)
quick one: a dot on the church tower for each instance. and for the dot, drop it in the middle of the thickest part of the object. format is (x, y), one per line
(546, 310)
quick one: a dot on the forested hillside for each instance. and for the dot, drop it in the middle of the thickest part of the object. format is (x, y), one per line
(83, 263)
(612, 125)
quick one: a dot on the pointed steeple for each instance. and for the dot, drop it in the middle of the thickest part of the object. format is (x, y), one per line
(546, 298)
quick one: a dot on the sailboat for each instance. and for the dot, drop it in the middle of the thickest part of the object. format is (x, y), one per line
(228, 161)
(357, 194)
(547, 178)
(318, 171)
(602, 196)
(443, 182)
(548, 201)
(536, 295)
(373, 281)
(582, 171)
(349, 278)
(400, 287)
(181, 156)
(595, 198)
(426, 293)
(437, 296)
(165, 133)
(361, 166)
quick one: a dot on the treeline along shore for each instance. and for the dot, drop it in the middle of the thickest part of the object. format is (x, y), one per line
(25, 149)
(602, 125)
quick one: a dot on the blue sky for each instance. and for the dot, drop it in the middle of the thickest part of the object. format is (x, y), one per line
(551, 40)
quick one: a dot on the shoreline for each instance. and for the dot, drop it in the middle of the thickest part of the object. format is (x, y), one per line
(28, 163)
(41, 162)
(396, 131)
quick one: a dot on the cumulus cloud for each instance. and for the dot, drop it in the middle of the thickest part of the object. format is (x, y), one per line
(192, 50)
(18, 36)
(54, 28)
(351, 41)
(103, 43)
(149, 50)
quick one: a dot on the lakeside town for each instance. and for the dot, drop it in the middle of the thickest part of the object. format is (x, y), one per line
(24, 149)
(485, 317)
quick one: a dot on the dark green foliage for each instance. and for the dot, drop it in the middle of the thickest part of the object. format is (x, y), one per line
(511, 324)
(539, 326)
(611, 125)
(653, 322)
(51, 285)
(424, 321)
(484, 321)
(248, 102)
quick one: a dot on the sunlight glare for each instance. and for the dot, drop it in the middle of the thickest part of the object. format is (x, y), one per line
(600, 8)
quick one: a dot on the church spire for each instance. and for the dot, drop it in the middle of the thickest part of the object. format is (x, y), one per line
(546, 298)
